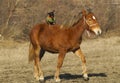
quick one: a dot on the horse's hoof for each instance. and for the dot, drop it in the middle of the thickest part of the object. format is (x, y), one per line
(57, 80)
(41, 78)
(85, 76)
(86, 79)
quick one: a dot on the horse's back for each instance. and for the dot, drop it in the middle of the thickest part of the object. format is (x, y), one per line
(43, 32)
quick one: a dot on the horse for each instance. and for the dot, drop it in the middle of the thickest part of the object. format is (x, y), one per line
(53, 39)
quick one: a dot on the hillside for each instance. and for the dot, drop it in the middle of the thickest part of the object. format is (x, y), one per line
(18, 16)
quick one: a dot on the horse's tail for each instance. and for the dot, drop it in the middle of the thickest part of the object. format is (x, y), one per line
(31, 53)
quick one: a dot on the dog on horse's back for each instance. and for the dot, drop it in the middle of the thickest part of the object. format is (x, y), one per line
(52, 38)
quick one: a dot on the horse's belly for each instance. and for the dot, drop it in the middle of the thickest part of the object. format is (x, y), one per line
(52, 50)
(55, 47)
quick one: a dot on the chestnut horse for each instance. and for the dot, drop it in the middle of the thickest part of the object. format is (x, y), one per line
(52, 38)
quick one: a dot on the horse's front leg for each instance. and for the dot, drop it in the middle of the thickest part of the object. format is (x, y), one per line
(81, 55)
(38, 74)
(59, 65)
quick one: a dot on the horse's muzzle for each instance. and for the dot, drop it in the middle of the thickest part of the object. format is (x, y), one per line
(97, 31)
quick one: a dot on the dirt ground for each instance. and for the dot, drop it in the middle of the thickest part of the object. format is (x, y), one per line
(102, 56)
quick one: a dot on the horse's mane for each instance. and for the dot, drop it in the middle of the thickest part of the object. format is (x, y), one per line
(76, 19)
(73, 21)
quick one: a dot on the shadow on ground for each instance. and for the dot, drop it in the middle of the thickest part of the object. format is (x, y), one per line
(69, 76)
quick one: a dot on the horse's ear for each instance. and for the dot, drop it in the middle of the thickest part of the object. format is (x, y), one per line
(84, 12)
(89, 9)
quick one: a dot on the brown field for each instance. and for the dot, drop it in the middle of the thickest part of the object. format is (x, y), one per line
(102, 55)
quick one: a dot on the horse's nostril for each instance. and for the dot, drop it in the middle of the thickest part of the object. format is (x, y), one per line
(99, 32)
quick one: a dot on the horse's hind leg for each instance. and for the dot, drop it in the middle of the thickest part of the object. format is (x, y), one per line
(31, 53)
(38, 74)
(80, 54)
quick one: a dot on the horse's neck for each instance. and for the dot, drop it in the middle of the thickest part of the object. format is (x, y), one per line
(79, 28)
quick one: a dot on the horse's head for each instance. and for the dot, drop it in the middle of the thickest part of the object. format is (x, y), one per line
(92, 23)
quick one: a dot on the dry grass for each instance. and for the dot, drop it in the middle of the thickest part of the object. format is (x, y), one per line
(102, 57)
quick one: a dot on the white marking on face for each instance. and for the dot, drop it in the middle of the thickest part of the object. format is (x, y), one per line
(93, 17)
